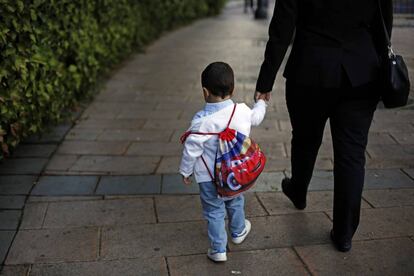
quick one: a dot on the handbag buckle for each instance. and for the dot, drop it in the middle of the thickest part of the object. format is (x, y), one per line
(391, 53)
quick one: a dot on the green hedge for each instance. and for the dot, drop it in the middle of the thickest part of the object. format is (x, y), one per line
(53, 51)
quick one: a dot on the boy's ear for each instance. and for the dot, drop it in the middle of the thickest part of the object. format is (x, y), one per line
(206, 92)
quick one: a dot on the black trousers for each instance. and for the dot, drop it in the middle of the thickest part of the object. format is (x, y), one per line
(350, 111)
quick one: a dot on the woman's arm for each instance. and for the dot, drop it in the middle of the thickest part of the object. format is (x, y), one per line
(281, 31)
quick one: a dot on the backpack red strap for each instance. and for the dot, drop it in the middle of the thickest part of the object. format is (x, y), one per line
(188, 133)
(232, 113)
(205, 164)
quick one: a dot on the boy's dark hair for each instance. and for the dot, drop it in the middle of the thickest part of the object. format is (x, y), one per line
(218, 78)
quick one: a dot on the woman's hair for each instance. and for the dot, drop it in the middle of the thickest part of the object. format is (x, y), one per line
(218, 78)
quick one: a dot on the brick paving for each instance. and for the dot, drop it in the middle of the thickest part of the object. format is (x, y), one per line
(102, 197)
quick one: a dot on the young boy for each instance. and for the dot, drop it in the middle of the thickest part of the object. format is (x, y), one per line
(218, 86)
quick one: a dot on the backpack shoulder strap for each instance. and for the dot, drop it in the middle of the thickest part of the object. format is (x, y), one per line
(232, 114)
(208, 170)
(188, 133)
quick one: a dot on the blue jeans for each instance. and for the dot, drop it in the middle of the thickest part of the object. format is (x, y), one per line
(214, 211)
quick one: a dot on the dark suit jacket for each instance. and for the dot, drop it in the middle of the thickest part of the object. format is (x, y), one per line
(332, 37)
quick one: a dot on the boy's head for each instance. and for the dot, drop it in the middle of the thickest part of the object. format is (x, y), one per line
(218, 79)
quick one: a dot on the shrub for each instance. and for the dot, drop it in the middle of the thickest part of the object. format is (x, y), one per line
(53, 51)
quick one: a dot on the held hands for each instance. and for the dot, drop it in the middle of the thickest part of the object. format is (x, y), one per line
(187, 180)
(261, 96)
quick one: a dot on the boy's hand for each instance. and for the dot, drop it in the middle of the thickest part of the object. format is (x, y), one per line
(187, 180)
(262, 96)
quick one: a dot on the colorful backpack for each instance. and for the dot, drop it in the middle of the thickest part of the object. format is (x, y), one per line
(239, 161)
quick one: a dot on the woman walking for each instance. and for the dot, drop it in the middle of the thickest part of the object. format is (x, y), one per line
(332, 73)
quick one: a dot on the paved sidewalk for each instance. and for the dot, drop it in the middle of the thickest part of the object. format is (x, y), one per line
(102, 197)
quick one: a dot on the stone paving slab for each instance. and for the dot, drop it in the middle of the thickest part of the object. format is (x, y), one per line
(34, 215)
(149, 266)
(271, 135)
(16, 184)
(110, 123)
(169, 164)
(15, 270)
(93, 114)
(386, 223)
(391, 126)
(379, 179)
(268, 181)
(152, 240)
(34, 150)
(188, 208)
(379, 223)
(378, 138)
(116, 164)
(281, 261)
(9, 219)
(390, 163)
(278, 203)
(54, 135)
(288, 230)
(389, 198)
(93, 148)
(54, 246)
(150, 184)
(143, 114)
(403, 138)
(378, 257)
(81, 134)
(158, 135)
(12, 202)
(155, 149)
(277, 164)
(394, 115)
(61, 162)
(6, 238)
(173, 184)
(283, 164)
(409, 172)
(172, 124)
(65, 185)
(23, 166)
(391, 151)
(374, 179)
(33, 199)
(99, 213)
(274, 150)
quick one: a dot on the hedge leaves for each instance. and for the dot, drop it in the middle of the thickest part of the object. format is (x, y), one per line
(53, 51)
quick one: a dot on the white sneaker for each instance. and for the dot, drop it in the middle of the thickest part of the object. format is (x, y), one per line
(216, 257)
(240, 238)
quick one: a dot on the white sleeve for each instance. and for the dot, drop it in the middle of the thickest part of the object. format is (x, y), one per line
(258, 112)
(193, 149)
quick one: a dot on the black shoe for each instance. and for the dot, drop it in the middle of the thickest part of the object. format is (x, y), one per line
(287, 190)
(343, 246)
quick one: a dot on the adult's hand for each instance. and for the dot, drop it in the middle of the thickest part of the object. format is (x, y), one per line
(263, 96)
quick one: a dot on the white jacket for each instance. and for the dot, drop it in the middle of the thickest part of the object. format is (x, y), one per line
(206, 145)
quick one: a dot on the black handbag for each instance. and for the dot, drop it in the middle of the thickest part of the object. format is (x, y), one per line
(397, 83)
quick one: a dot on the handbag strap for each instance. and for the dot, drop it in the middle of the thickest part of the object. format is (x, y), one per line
(387, 37)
